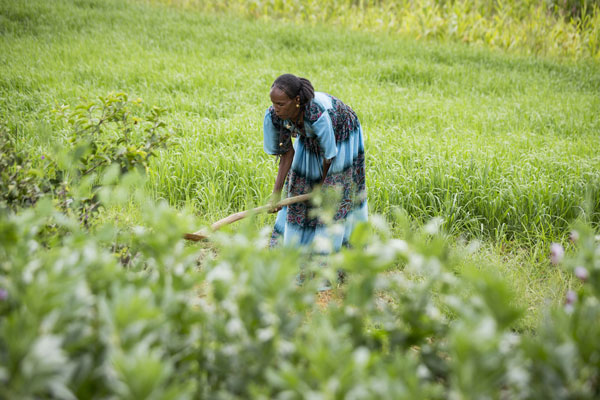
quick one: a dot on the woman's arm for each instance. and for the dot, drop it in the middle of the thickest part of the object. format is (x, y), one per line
(326, 165)
(285, 162)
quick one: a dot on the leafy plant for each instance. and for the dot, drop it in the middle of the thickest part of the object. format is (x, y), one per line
(180, 323)
(22, 181)
(99, 134)
(110, 131)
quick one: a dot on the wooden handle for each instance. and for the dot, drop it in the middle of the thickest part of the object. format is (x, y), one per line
(203, 234)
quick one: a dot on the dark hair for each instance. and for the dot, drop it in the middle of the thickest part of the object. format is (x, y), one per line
(293, 86)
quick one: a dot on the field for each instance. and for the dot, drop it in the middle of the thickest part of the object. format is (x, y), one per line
(502, 147)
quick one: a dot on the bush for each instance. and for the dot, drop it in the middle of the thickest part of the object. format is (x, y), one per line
(108, 132)
(22, 182)
(112, 131)
(187, 322)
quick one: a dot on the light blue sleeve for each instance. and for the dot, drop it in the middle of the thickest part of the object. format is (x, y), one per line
(270, 136)
(323, 128)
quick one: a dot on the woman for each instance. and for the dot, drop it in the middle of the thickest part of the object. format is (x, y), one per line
(328, 151)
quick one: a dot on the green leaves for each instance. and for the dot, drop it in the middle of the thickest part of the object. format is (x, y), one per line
(178, 323)
(23, 177)
(112, 130)
(75, 324)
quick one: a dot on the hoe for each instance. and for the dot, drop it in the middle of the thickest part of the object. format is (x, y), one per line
(204, 234)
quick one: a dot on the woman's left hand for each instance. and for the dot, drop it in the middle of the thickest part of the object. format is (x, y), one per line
(273, 200)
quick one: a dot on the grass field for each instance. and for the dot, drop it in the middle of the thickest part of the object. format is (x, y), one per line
(503, 147)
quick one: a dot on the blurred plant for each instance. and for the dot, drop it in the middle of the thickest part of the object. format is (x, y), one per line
(413, 320)
(572, 9)
(75, 324)
(22, 181)
(563, 358)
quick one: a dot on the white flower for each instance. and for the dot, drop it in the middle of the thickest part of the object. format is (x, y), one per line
(398, 245)
(574, 236)
(434, 225)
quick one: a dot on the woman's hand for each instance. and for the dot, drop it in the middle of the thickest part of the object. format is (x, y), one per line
(326, 165)
(273, 200)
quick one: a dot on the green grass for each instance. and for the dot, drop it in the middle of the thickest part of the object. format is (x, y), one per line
(503, 147)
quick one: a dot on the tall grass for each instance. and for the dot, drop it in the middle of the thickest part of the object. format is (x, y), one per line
(551, 28)
(501, 147)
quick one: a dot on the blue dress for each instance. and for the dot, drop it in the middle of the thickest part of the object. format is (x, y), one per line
(331, 131)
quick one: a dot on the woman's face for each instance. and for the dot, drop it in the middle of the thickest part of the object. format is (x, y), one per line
(285, 108)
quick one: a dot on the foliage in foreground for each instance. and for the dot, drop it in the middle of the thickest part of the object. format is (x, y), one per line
(554, 28)
(178, 321)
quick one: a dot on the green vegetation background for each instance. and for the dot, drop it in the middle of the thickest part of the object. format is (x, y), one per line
(503, 147)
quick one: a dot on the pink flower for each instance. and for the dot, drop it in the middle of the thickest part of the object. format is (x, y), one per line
(582, 273)
(570, 300)
(571, 297)
(557, 253)
(3, 294)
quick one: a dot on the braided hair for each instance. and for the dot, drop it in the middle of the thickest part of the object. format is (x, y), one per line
(293, 86)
